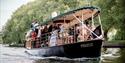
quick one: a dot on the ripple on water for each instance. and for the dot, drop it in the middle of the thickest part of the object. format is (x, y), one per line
(67, 60)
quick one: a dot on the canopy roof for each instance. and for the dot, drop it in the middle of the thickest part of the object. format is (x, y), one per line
(84, 13)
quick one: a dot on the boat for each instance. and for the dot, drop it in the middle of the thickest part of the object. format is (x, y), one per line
(90, 48)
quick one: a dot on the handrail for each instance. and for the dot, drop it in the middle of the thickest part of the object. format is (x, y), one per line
(46, 37)
(68, 39)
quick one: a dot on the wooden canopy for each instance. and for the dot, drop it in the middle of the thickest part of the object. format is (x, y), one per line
(83, 14)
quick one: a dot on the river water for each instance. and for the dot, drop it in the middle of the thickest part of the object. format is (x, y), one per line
(18, 55)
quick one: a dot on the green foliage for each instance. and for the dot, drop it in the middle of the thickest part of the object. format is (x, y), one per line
(40, 9)
(112, 15)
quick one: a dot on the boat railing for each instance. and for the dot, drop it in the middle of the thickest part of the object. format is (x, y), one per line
(62, 38)
(67, 37)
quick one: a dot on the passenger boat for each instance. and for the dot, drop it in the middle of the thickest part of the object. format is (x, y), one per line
(90, 48)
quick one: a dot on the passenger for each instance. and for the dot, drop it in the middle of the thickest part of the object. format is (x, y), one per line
(76, 32)
(59, 40)
(40, 31)
(32, 24)
(50, 28)
(35, 26)
(88, 32)
(63, 34)
(84, 32)
(45, 31)
(33, 36)
(71, 31)
(28, 39)
(28, 34)
(53, 37)
(45, 28)
(71, 34)
(44, 37)
(61, 28)
(80, 37)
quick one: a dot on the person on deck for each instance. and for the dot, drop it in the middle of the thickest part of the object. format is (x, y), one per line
(76, 32)
(53, 37)
(45, 35)
(71, 34)
(84, 32)
(50, 28)
(63, 34)
(35, 26)
(28, 39)
(28, 35)
(33, 36)
(39, 35)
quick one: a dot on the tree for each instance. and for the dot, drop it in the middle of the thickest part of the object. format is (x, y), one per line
(20, 21)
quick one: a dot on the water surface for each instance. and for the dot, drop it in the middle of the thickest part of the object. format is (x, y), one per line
(18, 55)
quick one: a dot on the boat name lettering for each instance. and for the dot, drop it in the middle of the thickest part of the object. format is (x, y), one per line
(86, 45)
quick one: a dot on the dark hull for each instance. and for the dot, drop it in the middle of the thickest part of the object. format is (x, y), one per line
(90, 49)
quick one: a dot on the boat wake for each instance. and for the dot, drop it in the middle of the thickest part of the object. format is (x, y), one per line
(34, 55)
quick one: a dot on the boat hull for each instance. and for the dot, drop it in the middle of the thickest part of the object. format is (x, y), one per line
(89, 49)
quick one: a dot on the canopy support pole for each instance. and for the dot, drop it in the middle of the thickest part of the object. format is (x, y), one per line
(83, 20)
(100, 24)
(92, 23)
